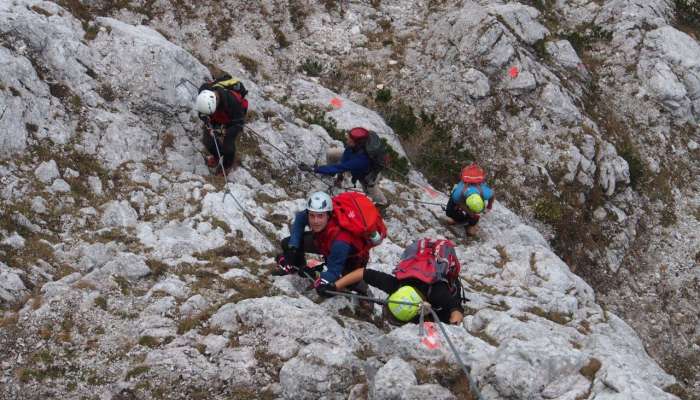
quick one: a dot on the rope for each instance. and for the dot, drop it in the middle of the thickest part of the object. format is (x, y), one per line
(246, 214)
(287, 156)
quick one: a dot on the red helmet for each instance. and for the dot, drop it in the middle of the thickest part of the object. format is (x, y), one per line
(472, 173)
(358, 134)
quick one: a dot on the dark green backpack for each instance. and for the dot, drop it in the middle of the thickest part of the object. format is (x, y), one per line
(376, 150)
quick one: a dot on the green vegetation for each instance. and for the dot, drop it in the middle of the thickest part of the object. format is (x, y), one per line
(636, 166)
(141, 369)
(688, 12)
(383, 95)
(101, 302)
(249, 64)
(317, 116)
(556, 317)
(149, 341)
(549, 209)
(311, 67)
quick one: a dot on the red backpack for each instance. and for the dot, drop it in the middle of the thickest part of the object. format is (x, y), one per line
(473, 174)
(429, 260)
(357, 214)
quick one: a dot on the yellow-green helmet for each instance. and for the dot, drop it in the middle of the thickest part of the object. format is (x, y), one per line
(475, 203)
(405, 312)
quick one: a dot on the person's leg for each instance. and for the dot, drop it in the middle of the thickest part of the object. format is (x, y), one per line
(471, 228)
(208, 141)
(228, 150)
(372, 190)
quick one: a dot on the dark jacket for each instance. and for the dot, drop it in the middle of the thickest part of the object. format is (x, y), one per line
(354, 160)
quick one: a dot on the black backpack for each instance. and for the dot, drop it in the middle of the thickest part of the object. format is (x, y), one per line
(226, 81)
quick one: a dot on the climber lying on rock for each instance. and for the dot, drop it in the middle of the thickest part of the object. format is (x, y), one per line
(428, 271)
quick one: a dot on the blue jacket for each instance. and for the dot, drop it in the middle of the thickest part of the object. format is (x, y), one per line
(357, 163)
(340, 250)
(459, 194)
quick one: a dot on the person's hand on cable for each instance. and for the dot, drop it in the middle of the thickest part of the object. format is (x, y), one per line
(306, 168)
(322, 287)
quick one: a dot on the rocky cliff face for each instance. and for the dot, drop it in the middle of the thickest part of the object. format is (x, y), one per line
(127, 272)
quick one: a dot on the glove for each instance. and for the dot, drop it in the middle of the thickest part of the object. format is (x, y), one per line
(306, 168)
(284, 267)
(322, 287)
(293, 257)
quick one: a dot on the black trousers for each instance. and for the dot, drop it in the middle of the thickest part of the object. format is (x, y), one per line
(227, 143)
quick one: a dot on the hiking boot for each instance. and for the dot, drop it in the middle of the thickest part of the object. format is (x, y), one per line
(471, 231)
(212, 161)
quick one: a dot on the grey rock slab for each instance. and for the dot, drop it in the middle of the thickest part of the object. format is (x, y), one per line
(177, 239)
(430, 391)
(172, 286)
(39, 205)
(15, 240)
(126, 265)
(11, 286)
(119, 214)
(47, 171)
(278, 316)
(95, 185)
(392, 379)
(522, 20)
(320, 371)
(563, 54)
(348, 115)
(178, 363)
(59, 186)
(156, 326)
(194, 305)
(164, 307)
(559, 104)
(237, 366)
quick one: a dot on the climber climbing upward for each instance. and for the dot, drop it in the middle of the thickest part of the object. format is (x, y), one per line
(467, 199)
(222, 106)
(364, 156)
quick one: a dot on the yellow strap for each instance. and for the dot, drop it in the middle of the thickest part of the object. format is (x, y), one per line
(226, 83)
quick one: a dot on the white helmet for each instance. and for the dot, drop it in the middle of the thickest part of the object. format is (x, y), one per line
(206, 102)
(319, 202)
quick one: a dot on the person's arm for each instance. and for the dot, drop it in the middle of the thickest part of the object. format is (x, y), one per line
(488, 195)
(336, 261)
(440, 297)
(349, 279)
(301, 219)
(355, 162)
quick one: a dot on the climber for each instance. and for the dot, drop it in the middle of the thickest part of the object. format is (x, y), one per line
(467, 199)
(332, 235)
(364, 157)
(222, 107)
(428, 271)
